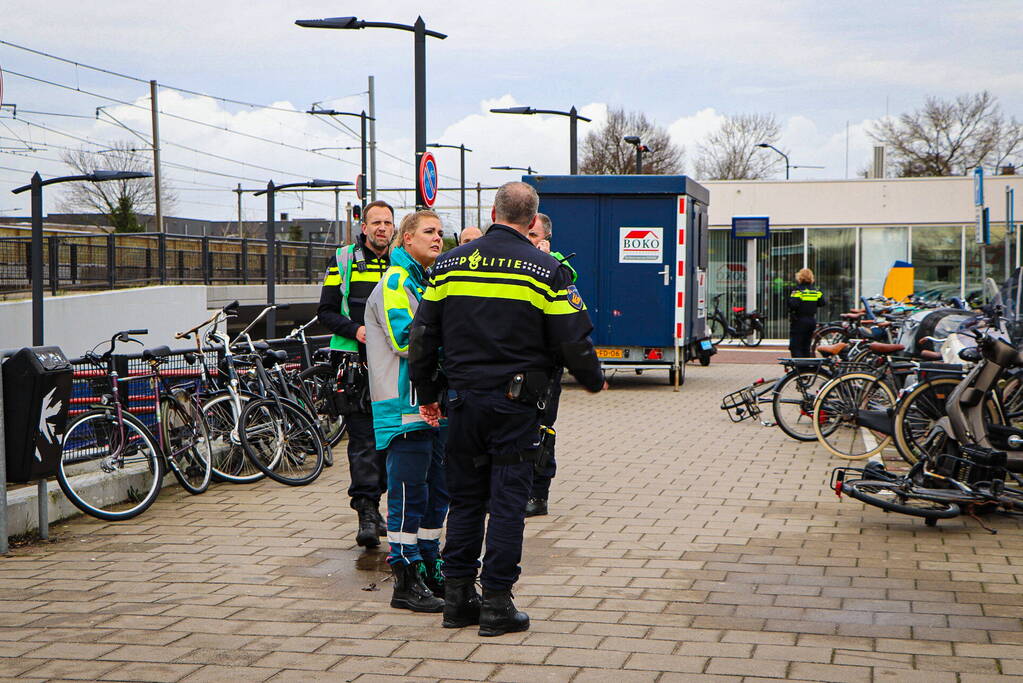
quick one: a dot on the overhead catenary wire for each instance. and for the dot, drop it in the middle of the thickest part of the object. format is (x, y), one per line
(138, 79)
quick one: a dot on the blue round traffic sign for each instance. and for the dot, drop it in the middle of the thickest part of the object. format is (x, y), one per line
(428, 179)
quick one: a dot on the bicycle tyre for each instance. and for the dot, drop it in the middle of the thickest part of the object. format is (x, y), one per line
(790, 411)
(300, 392)
(321, 381)
(282, 441)
(717, 331)
(89, 477)
(229, 462)
(886, 495)
(189, 450)
(755, 336)
(830, 334)
(835, 414)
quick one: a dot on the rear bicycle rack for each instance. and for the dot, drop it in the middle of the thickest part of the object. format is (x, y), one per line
(742, 404)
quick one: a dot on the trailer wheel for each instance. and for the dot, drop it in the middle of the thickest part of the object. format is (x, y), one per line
(704, 360)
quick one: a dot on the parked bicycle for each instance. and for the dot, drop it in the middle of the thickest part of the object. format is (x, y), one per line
(745, 327)
(112, 466)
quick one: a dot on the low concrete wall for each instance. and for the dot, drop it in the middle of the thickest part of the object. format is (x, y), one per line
(76, 322)
(222, 295)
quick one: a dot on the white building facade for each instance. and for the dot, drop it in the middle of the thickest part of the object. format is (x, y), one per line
(850, 232)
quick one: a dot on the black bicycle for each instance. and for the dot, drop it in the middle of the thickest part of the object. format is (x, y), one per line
(745, 327)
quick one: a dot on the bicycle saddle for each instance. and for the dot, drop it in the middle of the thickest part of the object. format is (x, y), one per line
(884, 349)
(851, 316)
(261, 346)
(832, 349)
(156, 352)
(738, 309)
(927, 354)
(278, 356)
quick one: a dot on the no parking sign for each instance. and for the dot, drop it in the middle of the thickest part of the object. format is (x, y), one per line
(428, 179)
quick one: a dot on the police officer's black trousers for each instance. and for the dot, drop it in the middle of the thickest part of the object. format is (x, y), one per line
(800, 335)
(366, 465)
(492, 443)
(547, 467)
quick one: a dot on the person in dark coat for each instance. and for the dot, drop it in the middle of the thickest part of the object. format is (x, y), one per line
(803, 303)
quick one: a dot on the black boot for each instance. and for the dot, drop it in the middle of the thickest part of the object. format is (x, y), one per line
(536, 507)
(499, 616)
(461, 603)
(410, 592)
(379, 522)
(367, 534)
(433, 578)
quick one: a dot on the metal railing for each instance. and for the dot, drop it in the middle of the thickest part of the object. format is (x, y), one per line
(111, 261)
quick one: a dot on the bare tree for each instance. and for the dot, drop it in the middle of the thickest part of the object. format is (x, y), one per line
(950, 137)
(731, 152)
(605, 152)
(120, 200)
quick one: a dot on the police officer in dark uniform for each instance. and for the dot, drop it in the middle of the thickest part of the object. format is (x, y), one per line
(352, 274)
(803, 303)
(506, 315)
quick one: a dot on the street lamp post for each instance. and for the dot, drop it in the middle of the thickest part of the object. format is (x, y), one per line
(271, 242)
(783, 154)
(421, 32)
(36, 186)
(363, 117)
(528, 169)
(573, 116)
(640, 148)
(462, 150)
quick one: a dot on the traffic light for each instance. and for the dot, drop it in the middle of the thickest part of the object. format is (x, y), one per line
(357, 212)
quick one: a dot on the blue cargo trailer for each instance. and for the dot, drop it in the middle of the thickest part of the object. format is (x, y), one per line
(640, 245)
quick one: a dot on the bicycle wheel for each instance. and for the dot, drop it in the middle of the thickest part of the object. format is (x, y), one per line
(187, 443)
(793, 402)
(321, 383)
(282, 441)
(110, 469)
(899, 497)
(229, 462)
(830, 334)
(755, 336)
(851, 414)
(299, 393)
(716, 330)
(920, 409)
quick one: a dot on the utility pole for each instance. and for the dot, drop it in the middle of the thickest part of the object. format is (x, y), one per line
(155, 110)
(348, 223)
(419, 52)
(372, 140)
(337, 216)
(479, 206)
(241, 230)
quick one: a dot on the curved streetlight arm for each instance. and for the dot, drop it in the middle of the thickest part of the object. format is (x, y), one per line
(437, 144)
(354, 23)
(335, 112)
(95, 177)
(531, 110)
(563, 113)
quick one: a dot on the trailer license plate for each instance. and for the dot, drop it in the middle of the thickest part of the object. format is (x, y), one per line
(610, 353)
(706, 345)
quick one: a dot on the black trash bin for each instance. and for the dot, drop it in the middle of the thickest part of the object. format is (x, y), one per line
(37, 391)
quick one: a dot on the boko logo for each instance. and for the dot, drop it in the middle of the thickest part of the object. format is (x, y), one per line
(474, 259)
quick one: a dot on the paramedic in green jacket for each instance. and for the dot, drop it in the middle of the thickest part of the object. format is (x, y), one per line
(342, 311)
(546, 467)
(417, 496)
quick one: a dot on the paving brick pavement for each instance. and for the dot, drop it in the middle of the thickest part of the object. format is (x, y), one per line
(679, 547)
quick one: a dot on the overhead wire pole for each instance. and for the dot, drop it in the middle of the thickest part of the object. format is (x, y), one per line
(372, 139)
(241, 231)
(155, 110)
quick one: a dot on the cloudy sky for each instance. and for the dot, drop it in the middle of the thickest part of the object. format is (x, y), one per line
(825, 69)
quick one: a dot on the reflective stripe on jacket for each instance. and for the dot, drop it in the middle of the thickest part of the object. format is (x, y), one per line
(804, 301)
(389, 312)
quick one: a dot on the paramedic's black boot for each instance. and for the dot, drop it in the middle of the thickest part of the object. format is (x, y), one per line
(410, 592)
(499, 616)
(367, 534)
(461, 603)
(536, 507)
(433, 577)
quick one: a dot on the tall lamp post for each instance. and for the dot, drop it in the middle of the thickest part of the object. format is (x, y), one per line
(37, 186)
(528, 169)
(271, 241)
(640, 148)
(421, 32)
(462, 150)
(573, 116)
(783, 155)
(364, 117)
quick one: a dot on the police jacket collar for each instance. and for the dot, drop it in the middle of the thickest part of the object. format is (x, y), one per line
(367, 251)
(505, 231)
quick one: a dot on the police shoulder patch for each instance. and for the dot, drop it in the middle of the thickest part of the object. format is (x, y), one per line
(574, 299)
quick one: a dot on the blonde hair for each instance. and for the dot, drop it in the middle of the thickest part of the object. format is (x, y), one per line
(410, 223)
(804, 276)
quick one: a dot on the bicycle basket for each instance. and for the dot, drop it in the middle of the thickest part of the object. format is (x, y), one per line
(976, 464)
(741, 404)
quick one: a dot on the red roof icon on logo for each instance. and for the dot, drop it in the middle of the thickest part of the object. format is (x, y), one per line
(638, 234)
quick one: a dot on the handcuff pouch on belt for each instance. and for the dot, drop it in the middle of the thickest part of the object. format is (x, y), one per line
(532, 387)
(352, 395)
